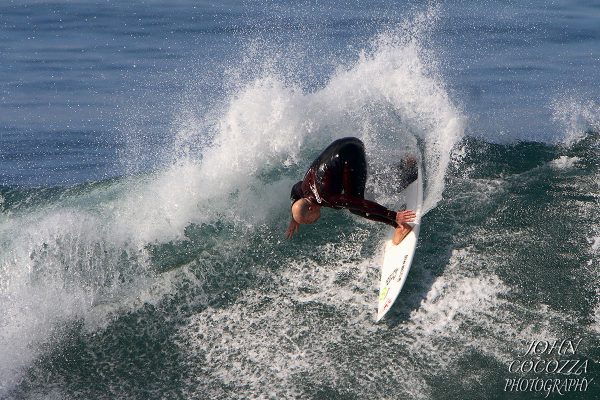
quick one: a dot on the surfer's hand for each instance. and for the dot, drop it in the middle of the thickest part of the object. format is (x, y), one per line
(405, 216)
(292, 228)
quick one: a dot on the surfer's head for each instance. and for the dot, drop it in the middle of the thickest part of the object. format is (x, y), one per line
(305, 212)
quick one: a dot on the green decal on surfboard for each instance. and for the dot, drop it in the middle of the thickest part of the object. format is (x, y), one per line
(383, 293)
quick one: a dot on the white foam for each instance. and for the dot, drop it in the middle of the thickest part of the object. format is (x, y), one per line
(317, 320)
(564, 162)
(65, 263)
(273, 343)
(595, 241)
(577, 117)
(469, 309)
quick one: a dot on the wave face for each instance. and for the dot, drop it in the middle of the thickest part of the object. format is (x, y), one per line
(177, 282)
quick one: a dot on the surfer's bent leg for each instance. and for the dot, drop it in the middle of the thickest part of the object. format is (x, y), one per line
(355, 179)
(354, 172)
(354, 176)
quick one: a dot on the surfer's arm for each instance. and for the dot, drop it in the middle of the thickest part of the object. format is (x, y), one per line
(365, 208)
(292, 228)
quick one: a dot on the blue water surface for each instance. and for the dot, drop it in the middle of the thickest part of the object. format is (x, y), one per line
(89, 89)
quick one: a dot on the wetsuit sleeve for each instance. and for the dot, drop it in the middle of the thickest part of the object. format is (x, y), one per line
(366, 208)
(296, 193)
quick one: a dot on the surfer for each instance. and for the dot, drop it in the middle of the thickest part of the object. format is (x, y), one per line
(337, 179)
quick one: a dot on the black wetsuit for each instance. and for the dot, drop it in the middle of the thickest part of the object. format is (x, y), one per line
(337, 179)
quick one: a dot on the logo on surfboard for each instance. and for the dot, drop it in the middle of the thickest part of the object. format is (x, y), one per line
(403, 264)
(391, 276)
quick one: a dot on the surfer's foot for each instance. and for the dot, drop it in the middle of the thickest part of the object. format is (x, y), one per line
(400, 233)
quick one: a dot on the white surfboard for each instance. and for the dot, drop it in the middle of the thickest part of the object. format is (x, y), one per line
(397, 259)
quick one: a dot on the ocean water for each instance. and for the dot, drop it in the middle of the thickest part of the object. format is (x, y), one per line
(147, 150)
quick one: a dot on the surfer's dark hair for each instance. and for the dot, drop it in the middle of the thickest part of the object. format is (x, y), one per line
(296, 193)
